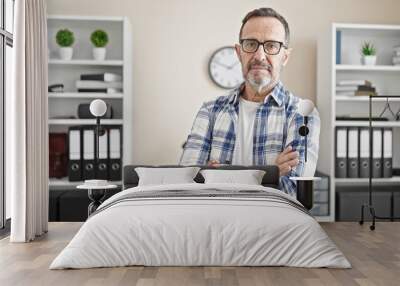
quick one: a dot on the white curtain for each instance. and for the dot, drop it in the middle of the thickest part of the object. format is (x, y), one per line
(27, 125)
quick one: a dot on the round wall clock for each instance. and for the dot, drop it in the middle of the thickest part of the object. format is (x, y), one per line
(225, 69)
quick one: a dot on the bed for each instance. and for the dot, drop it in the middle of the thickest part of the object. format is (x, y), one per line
(199, 224)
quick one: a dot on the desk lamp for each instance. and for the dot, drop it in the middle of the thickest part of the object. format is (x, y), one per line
(96, 188)
(97, 108)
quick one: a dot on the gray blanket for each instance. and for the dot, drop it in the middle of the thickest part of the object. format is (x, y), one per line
(201, 194)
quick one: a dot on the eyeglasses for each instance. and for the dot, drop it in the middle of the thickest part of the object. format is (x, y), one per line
(270, 47)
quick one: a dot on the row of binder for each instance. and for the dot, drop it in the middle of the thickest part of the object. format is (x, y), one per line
(353, 152)
(82, 149)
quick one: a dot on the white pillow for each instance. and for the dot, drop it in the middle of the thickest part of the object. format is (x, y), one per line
(248, 177)
(164, 176)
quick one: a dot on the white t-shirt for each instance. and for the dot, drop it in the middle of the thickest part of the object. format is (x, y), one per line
(243, 152)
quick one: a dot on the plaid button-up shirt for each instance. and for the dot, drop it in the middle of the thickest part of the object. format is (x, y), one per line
(276, 126)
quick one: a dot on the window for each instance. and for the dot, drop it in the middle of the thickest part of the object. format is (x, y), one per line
(6, 44)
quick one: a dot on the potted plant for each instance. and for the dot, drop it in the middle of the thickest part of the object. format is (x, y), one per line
(65, 39)
(99, 39)
(368, 52)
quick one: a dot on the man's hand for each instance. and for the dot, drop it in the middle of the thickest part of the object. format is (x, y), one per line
(287, 160)
(213, 163)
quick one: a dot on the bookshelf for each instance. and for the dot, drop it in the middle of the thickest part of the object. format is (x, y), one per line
(377, 68)
(90, 95)
(366, 124)
(86, 62)
(361, 98)
(384, 76)
(64, 183)
(364, 181)
(63, 106)
(68, 122)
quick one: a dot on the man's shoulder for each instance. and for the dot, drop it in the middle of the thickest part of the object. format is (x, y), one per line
(291, 103)
(288, 98)
(220, 102)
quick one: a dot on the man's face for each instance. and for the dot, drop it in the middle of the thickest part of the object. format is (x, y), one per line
(260, 70)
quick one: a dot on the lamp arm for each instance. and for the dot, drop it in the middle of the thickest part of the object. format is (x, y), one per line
(305, 144)
(97, 146)
(303, 131)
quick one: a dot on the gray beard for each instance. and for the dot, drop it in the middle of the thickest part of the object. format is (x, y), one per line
(258, 85)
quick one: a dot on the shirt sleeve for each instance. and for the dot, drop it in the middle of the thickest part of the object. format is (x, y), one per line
(298, 143)
(196, 150)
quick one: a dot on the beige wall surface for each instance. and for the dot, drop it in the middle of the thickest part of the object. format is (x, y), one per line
(172, 43)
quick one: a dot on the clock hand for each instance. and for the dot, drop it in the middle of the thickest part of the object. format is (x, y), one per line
(232, 66)
(221, 64)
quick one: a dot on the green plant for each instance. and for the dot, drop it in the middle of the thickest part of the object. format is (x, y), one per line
(368, 49)
(65, 38)
(99, 38)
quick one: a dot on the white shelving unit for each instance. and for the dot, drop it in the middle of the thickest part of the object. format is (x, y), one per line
(91, 95)
(388, 68)
(86, 62)
(384, 76)
(366, 123)
(364, 181)
(64, 183)
(63, 106)
(340, 98)
(84, 121)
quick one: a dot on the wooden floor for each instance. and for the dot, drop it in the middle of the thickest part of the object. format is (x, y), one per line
(374, 255)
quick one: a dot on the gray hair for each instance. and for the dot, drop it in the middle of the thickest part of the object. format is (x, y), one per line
(267, 12)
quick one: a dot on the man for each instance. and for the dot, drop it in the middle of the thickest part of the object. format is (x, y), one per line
(256, 123)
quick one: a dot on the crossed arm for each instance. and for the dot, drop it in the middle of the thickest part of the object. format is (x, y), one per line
(290, 161)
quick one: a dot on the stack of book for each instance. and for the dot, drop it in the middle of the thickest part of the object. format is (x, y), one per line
(396, 56)
(100, 82)
(355, 87)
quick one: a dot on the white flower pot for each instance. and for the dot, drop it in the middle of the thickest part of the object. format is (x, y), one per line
(369, 60)
(66, 53)
(99, 54)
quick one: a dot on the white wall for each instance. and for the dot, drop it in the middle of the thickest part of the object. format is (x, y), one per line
(173, 40)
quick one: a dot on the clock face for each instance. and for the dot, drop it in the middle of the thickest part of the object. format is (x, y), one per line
(225, 68)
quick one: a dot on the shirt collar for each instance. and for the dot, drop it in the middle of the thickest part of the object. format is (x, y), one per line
(277, 94)
(235, 93)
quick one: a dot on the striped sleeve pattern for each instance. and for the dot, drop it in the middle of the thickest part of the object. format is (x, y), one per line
(198, 145)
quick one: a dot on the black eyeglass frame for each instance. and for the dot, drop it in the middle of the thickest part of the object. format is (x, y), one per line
(281, 44)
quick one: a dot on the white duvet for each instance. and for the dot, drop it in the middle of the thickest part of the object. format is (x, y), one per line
(200, 231)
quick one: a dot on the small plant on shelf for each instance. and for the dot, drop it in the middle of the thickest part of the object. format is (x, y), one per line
(99, 39)
(65, 39)
(368, 52)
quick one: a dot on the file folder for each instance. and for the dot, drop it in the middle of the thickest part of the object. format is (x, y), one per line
(341, 153)
(102, 168)
(364, 153)
(352, 153)
(88, 153)
(58, 155)
(387, 152)
(115, 148)
(74, 154)
(377, 153)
